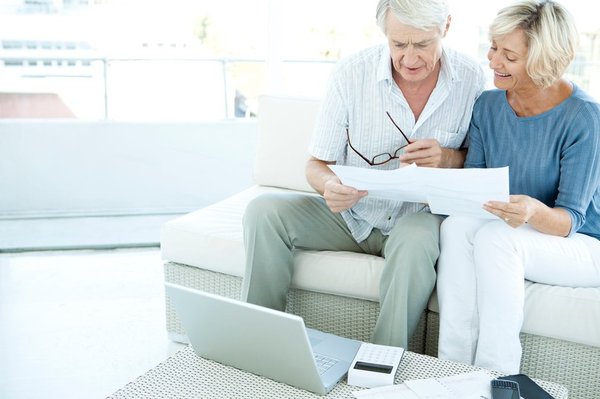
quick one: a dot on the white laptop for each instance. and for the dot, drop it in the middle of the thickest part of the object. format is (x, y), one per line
(260, 340)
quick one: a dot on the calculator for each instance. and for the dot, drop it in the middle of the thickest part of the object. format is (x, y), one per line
(374, 365)
(505, 389)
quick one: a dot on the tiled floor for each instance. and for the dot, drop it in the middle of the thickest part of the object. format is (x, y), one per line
(79, 324)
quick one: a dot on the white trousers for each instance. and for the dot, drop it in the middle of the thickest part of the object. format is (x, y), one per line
(480, 285)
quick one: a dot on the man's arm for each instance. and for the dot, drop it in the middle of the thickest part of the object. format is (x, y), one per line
(317, 173)
(428, 152)
(453, 158)
(337, 196)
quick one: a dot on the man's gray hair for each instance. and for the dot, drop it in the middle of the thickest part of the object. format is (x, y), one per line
(420, 14)
(550, 32)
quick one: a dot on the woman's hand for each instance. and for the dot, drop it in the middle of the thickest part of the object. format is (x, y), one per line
(515, 213)
(524, 209)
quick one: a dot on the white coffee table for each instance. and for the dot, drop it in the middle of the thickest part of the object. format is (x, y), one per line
(185, 375)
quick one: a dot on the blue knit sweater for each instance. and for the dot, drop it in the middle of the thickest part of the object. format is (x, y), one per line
(553, 157)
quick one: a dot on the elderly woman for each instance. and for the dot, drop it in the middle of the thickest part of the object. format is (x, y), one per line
(547, 130)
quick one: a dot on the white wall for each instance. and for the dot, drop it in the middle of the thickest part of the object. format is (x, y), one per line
(70, 168)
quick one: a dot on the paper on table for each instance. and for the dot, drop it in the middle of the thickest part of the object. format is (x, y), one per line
(473, 385)
(401, 391)
(447, 191)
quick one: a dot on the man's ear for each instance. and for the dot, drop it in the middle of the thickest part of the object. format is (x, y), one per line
(447, 25)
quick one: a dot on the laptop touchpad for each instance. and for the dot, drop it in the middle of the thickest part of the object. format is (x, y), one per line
(314, 341)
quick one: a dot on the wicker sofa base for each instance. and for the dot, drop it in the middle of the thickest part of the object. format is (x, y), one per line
(347, 317)
(573, 365)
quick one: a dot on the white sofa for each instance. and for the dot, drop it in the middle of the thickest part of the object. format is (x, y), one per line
(338, 291)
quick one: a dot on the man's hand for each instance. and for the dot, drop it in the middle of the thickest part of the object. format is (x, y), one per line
(428, 152)
(339, 197)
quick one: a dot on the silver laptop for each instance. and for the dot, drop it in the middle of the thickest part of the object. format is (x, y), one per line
(263, 341)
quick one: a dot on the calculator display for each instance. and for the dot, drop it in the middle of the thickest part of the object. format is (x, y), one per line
(378, 368)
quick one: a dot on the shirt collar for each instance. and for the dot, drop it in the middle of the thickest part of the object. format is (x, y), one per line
(448, 72)
(384, 71)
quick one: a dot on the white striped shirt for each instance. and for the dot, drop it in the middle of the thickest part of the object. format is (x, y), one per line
(360, 91)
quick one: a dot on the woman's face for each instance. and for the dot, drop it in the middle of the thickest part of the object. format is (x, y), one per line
(508, 60)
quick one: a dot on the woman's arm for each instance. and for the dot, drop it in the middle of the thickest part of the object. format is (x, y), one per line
(579, 178)
(524, 209)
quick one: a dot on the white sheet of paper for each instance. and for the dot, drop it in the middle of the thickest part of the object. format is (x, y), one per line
(429, 388)
(400, 391)
(447, 191)
(473, 385)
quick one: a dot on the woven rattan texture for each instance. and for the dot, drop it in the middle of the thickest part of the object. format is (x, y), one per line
(347, 317)
(573, 365)
(185, 375)
(200, 279)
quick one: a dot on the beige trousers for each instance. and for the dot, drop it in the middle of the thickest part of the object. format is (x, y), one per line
(276, 224)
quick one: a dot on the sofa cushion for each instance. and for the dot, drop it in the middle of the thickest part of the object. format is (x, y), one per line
(570, 314)
(285, 125)
(211, 239)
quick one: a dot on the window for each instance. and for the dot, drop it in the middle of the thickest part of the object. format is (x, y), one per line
(173, 60)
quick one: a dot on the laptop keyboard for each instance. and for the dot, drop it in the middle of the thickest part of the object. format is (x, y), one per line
(324, 363)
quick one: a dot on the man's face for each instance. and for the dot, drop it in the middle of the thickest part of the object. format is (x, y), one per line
(414, 52)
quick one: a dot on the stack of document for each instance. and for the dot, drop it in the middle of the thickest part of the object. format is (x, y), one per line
(460, 192)
(474, 385)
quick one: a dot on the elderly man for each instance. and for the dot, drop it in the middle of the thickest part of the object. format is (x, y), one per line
(407, 101)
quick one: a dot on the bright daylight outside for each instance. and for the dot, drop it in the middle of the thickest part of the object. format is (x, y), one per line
(130, 150)
(206, 60)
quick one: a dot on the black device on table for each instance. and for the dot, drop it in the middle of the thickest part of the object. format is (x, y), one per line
(505, 389)
(518, 385)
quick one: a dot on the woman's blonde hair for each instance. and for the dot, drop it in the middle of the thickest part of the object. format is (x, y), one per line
(551, 36)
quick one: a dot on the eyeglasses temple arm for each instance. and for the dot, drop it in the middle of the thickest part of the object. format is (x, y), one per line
(398, 127)
(355, 150)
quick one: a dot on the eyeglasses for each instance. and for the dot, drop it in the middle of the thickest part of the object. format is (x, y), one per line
(382, 158)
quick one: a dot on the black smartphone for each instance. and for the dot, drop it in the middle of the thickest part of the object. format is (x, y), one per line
(505, 389)
(527, 387)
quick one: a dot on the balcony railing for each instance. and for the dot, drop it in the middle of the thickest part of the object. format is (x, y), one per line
(158, 88)
(179, 88)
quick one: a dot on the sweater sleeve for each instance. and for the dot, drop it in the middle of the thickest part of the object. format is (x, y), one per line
(475, 153)
(580, 166)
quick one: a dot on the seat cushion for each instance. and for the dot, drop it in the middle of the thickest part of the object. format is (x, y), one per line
(570, 314)
(211, 239)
